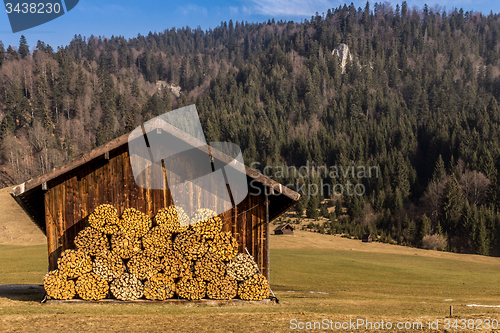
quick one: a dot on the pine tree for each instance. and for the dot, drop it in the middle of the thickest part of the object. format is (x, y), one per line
(425, 227)
(439, 169)
(397, 200)
(301, 206)
(312, 207)
(7, 126)
(465, 227)
(135, 91)
(2, 54)
(12, 53)
(338, 206)
(355, 205)
(24, 49)
(482, 243)
(451, 205)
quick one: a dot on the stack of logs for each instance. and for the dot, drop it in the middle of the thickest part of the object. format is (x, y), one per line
(132, 256)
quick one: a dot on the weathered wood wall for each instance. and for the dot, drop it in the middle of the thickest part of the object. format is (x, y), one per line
(69, 201)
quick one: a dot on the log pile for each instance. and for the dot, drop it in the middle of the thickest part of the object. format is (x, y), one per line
(206, 223)
(242, 267)
(159, 287)
(144, 265)
(209, 267)
(190, 244)
(158, 241)
(58, 286)
(108, 265)
(104, 219)
(224, 246)
(126, 257)
(175, 265)
(91, 287)
(135, 223)
(254, 289)
(91, 241)
(174, 219)
(127, 287)
(125, 245)
(74, 263)
(223, 288)
(191, 287)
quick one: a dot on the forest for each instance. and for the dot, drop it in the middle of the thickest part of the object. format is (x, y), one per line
(417, 97)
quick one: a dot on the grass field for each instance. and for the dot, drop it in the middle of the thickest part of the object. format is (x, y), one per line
(314, 276)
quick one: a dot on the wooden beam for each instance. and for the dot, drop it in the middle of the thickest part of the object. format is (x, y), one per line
(266, 204)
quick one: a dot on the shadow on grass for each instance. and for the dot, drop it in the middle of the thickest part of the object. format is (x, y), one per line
(22, 292)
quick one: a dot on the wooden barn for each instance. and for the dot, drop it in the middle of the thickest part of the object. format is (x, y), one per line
(284, 229)
(60, 201)
(367, 238)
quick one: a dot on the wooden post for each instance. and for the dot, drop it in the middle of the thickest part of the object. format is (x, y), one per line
(266, 203)
(451, 310)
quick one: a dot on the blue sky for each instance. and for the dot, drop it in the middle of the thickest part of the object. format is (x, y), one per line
(128, 18)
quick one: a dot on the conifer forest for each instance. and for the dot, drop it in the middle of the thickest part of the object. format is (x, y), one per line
(412, 91)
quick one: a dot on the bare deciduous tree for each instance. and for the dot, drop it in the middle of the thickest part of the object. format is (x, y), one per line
(474, 184)
(431, 200)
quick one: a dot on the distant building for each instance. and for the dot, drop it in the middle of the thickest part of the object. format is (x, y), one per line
(284, 229)
(367, 238)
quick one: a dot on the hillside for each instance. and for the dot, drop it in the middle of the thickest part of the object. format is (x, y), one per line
(410, 92)
(16, 228)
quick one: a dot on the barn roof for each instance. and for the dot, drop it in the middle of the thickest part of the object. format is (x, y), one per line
(282, 226)
(30, 194)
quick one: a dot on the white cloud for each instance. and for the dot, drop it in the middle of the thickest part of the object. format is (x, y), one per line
(292, 7)
(193, 9)
(233, 10)
(104, 9)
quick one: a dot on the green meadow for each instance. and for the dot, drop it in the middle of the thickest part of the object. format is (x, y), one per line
(311, 284)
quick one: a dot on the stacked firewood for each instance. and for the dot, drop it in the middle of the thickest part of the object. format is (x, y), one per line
(144, 265)
(125, 245)
(210, 267)
(242, 267)
(254, 289)
(158, 241)
(174, 219)
(91, 241)
(190, 244)
(206, 223)
(127, 257)
(191, 287)
(90, 286)
(108, 265)
(225, 287)
(224, 245)
(176, 265)
(58, 286)
(127, 287)
(104, 219)
(135, 223)
(74, 263)
(160, 287)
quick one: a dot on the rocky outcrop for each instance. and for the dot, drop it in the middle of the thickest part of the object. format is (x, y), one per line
(342, 53)
(176, 90)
